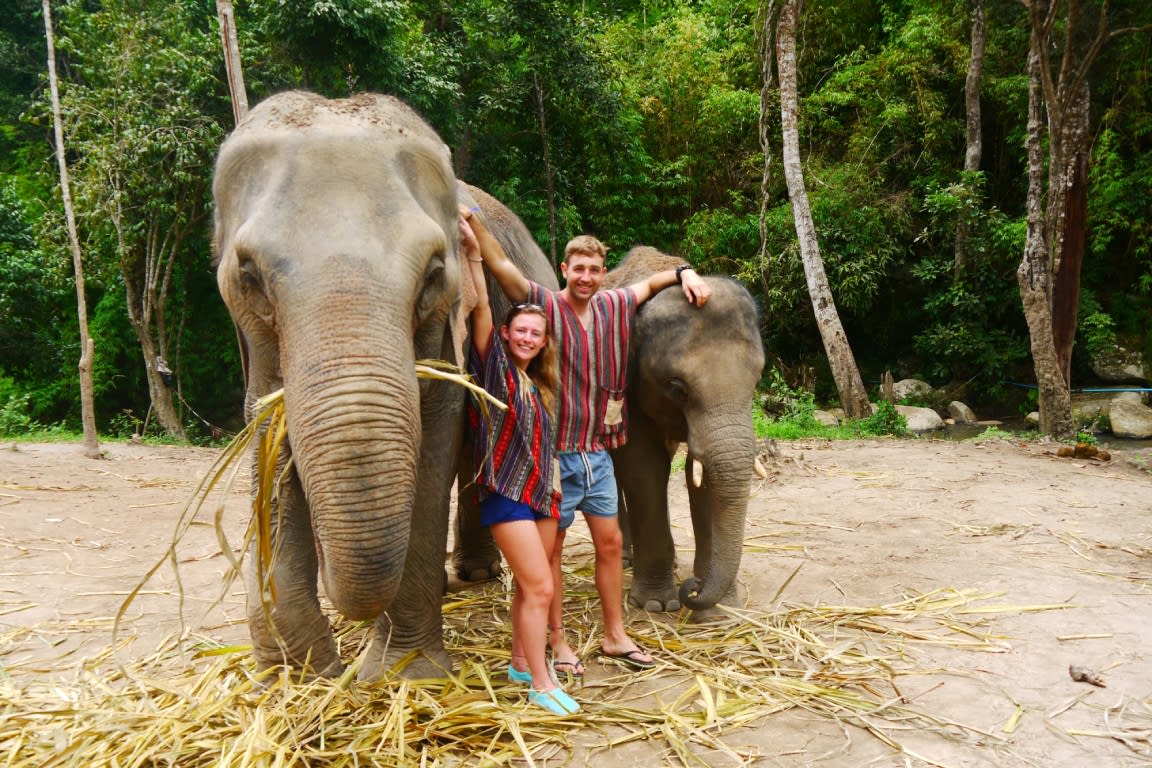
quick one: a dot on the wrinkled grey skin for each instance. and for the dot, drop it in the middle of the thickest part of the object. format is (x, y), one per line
(692, 379)
(337, 250)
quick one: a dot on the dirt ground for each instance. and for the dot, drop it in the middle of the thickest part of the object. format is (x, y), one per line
(854, 523)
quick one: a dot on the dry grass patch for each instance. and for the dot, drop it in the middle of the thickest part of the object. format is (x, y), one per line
(194, 702)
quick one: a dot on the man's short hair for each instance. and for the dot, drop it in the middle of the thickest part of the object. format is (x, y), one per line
(585, 245)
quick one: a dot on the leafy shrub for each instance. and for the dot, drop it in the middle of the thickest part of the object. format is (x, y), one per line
(993, 433)
(1085, 437)
(14, 418)
(1095, 329)
(885, 420)
(786, 402)
(124, 424)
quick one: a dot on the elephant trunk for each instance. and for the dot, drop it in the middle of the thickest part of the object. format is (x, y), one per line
(354, 426)
(725, 444)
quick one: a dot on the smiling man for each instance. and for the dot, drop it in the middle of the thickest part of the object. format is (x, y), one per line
(593, 328)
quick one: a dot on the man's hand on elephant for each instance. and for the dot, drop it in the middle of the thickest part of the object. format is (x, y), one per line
(696, 290)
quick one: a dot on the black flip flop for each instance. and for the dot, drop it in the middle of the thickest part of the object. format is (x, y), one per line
(629, 658)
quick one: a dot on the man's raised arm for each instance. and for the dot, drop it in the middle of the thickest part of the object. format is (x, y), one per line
(696, 291)
(508, 276)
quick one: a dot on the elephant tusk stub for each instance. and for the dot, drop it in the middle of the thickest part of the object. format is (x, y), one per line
(758, 465)
(697, 473)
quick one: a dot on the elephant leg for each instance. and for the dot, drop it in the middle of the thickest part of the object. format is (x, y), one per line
(475, 556)
(414, 620)
(287, 626)
(642, 467)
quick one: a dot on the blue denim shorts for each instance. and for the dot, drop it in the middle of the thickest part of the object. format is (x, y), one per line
(498, 509)
(588, 484)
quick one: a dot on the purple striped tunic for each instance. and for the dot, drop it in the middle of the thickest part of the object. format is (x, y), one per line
(513, 449)
(591, 414)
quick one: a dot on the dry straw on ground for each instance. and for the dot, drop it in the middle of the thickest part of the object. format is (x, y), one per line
(194, 702)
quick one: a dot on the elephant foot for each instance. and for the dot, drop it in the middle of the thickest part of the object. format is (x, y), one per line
(297, 674)
(314, 656)
(717, 615)
(425, 667)
(378, 661)
(714, 615)
(655, 601)
(473, 571)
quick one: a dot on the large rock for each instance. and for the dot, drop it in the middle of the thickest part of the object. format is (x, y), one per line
(920, 419)
(1128, 397)
(1130, 418)
(910, 388)
(825, 418)
(1088, 407)
(1120, 365)
(961, 413)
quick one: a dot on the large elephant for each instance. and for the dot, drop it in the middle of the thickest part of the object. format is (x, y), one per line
(337, 246)
(692, 378)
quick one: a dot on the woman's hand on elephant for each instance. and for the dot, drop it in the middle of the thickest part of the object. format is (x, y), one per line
(468, 241)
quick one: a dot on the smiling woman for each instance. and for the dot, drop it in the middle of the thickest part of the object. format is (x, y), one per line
(514, 451)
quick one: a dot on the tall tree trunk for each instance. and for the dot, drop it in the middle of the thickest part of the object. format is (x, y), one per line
(147, 277)
(853, 396)
(1062, 245)
(87, 345)
(766, 89)
(1069, 144)
(549, 175)
(1034, 274)
(974, 146)
(231, 47)
(1070, 236)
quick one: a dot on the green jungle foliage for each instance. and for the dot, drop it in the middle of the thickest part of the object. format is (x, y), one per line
(636, 121)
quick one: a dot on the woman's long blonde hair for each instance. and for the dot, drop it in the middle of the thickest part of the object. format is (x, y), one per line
(543, 368)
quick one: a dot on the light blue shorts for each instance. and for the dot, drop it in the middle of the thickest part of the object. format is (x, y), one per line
(588, 484)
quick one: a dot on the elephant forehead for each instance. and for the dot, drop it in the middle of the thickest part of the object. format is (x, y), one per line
(338, 197)
(344, 165)
(301, 112)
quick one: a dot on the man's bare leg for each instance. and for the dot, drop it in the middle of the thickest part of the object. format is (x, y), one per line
(609, 543)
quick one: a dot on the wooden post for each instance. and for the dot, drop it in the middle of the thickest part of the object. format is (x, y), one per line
(232, 59)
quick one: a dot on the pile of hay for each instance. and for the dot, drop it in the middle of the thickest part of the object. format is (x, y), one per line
(195, 703)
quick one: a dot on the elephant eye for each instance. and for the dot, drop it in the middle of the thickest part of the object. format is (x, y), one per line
(676, 391)
(252, 285)
(249, 273)
(434, 290)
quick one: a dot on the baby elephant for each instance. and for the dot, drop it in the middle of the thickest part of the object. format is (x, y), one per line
(692, 379)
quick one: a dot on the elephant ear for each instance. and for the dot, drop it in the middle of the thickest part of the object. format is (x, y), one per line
(466, 301)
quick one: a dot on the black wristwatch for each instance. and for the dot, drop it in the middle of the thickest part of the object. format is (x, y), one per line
(680, 272)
